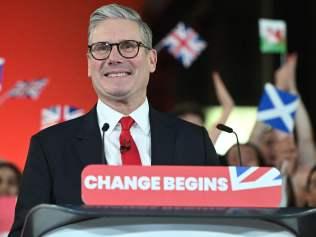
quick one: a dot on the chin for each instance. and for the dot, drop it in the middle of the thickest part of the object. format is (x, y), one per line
(119, 96)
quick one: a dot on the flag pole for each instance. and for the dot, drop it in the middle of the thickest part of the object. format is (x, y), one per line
(159, 46)
(283, 55)
(283, 58)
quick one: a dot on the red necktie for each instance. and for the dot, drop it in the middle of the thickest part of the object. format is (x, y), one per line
(128, 148)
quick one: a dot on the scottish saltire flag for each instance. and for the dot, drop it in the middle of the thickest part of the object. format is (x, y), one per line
(272, 34)
(28, 89)
(250, 178)
(1, 72)
(277, 108)
(58, 113)
(184, 44)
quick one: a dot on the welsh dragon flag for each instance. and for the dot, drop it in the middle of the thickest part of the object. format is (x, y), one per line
(272, 34)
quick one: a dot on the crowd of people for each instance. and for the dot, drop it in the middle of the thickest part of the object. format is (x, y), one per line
(293, 154)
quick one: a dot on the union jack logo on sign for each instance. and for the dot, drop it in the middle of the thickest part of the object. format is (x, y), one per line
(58, 113)
(184, 44)
(245, 178)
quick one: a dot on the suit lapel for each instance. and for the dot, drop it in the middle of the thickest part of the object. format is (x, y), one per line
(163, 134)
(88, 142)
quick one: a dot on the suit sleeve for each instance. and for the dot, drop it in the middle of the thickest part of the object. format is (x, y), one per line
(211, 157)
(35, 187)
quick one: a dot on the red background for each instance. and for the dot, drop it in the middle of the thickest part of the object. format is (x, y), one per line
(49, 39)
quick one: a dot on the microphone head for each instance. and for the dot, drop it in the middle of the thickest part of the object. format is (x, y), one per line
(224, 128)
(105, 127)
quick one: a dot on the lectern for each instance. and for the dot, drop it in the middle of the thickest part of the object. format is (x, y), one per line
(51, 220)
(135, 201)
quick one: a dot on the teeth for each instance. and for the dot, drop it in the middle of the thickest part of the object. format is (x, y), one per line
(118, 74)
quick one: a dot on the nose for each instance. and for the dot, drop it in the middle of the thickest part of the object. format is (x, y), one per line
(114, 57)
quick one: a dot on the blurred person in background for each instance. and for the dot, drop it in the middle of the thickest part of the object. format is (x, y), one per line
(193, 112)
(264, 137)
(250, 155)
(271, 142)
(10, 177)
(298, 153)
(294, 157)
(285, 79)
(310, 188)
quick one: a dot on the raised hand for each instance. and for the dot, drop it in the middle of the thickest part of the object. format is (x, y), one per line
(285, 78)
(222, 94)
(225, 100)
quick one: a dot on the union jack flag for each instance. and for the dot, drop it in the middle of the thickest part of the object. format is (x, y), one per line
(58, 113)
(28, 89)
(246, 178)
(184, 44)
(1, 72)
(277, 108)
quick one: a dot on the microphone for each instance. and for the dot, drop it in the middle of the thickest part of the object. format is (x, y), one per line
(227, 129)
(126, 146)
(105, 127)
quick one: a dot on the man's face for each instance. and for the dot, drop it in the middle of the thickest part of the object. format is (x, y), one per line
(117, 78)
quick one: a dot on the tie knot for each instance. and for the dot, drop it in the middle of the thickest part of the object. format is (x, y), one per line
(126, 122)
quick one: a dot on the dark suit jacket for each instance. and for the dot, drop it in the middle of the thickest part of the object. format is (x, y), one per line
(58, 154)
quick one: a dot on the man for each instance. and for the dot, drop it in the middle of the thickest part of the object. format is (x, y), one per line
(120, 60)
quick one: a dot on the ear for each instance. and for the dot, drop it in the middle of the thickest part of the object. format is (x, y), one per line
(152, 60)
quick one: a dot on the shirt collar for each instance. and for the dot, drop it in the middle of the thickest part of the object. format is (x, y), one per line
(141, 117)
(108, 115)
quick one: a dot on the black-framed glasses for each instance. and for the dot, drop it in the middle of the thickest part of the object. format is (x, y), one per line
(126, 48)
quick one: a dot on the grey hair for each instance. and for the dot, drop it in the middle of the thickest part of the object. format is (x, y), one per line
(116, 11)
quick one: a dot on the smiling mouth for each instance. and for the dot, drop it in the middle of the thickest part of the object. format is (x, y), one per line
(117, 74)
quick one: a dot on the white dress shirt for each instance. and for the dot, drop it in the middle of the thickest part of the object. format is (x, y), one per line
(140, 132)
